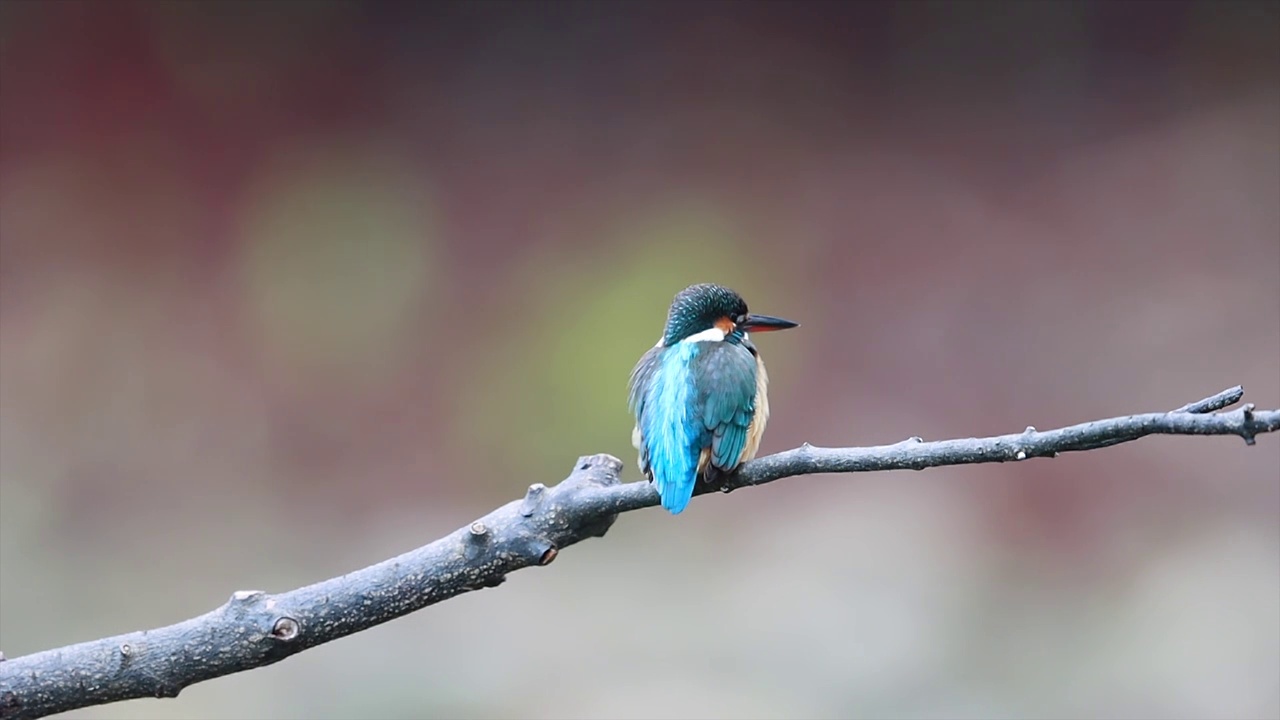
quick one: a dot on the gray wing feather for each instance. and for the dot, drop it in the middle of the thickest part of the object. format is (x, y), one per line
(637, 387)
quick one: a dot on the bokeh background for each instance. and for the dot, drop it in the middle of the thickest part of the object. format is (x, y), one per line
(287, 288)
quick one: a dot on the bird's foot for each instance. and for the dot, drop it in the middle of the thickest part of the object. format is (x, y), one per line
(716, 479)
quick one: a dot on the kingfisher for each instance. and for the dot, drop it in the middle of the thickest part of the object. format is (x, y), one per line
(701, 395)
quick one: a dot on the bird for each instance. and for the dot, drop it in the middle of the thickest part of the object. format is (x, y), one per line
(700, 396)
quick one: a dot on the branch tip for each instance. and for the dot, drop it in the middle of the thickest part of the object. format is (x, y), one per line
(532, 499)
(1213, 403)
(609, 466)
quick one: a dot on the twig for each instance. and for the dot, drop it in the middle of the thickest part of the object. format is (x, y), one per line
(255, 628)
(1214, 403)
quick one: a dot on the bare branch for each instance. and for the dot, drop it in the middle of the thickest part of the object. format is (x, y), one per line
(255, 628)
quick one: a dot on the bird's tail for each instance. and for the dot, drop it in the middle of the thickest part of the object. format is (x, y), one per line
(670, 433)
(674, 471)
(676, 490)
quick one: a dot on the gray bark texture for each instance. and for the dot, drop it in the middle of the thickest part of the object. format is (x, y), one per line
(254, 628)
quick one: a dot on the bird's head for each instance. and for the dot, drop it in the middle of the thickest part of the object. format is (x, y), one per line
(714, 312)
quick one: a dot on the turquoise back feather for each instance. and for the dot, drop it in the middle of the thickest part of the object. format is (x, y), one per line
(673, 441)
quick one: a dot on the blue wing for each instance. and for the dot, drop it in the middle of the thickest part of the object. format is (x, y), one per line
(689, 398)
(726, 383)
(670, 435)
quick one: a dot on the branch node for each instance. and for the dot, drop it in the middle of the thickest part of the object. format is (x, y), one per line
(483, 583)
(532, 499)
(478, 531)
(1031, 430)
(806, 446)
(168, 690)
(548, 555)
(244, 596)
(286, 629)
(1021, 455)
(1246, 431)
(125, 650)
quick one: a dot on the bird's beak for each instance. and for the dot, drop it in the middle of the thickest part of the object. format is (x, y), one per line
(766, 323)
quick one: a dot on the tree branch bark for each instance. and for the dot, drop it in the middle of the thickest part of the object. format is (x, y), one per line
(254, 628)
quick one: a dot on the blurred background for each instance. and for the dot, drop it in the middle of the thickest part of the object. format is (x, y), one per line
(288, 288)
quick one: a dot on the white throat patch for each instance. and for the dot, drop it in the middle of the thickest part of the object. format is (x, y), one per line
(712, 334)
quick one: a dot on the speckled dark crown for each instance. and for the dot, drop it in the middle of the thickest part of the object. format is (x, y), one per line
(698, 307)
